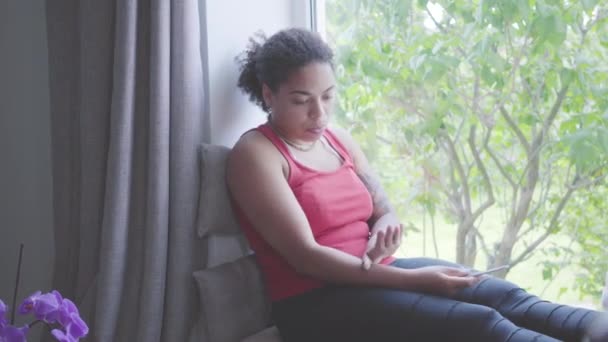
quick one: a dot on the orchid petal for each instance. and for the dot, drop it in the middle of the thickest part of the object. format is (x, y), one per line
(10, 333)
(3, 310)
(78, 328)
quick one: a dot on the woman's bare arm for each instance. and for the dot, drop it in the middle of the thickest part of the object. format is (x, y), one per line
(370, 179)
(258, 185)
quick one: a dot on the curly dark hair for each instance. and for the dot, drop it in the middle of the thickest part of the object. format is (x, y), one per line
(271, 60)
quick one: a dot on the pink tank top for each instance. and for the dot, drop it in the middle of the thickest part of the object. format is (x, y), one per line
(337, 206)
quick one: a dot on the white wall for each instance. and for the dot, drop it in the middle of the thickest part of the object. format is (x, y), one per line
(25, 162)
(227, 26)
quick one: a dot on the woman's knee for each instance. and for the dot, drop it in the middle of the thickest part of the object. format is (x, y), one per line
(493, 292)
(481, 322)
(477, 314)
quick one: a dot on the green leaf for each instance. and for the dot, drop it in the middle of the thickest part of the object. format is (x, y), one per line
(568, 126)
(603, 139)
(487, 76)
(417, 61)
(561, 292)
(548, 26)
(509, 10)
(523, 7)
(422, 3)
(432, 125)
(386, 48)
(496, 61)
(589, 5)
(528, 119)
(583, 151)
(603, 37)
(567, 75)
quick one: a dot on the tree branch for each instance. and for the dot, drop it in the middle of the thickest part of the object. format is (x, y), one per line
(538, 140)
(600, 15)
(587, 182)
(541, 203)
(454, 195)
(576, 184)
(476, 96)
(514, 68)
(441, 27)
(480, 165)
(527, 87)
(484, 246)
(520, 135)
(460, 171)
(550, 230)
(554, 110)
(384, 140)
(500, 167)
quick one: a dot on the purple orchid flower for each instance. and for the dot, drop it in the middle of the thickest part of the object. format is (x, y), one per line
(45, 306)
(51, 308)
(28, 303)
(62, 337)
(69, 318)
(65, 312)
(10, 333)
(3, 309)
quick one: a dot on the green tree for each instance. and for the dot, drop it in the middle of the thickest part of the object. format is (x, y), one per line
(465, 106)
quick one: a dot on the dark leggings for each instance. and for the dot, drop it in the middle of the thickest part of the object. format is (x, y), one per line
(492, 310)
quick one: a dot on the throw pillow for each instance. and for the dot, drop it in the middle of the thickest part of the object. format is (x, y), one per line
(215, 214)
(233, 300)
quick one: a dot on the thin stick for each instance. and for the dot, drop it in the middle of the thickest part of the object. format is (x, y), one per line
(16, 284)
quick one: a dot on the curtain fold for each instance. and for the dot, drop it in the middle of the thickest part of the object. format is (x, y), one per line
(126, 85)
(185, 254)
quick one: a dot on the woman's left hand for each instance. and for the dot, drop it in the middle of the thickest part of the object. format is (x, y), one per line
(384, 241)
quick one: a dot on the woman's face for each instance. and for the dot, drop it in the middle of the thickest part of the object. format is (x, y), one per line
(302, 105)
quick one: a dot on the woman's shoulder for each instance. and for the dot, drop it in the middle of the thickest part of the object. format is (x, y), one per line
(253, 161)
(253, 148)
(250, 139)
(252, 143)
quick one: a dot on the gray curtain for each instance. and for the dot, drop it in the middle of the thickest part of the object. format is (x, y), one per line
(126, 89)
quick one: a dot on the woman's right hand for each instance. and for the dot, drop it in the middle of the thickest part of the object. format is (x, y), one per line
(443, 280)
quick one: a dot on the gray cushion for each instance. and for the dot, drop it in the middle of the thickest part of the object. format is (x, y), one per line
(233, 300)
(226, 248)
(215, 214)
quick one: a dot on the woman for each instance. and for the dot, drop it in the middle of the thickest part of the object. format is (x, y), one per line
(324, 232)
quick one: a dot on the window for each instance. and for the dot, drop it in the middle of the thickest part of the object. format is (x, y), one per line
(488, 126)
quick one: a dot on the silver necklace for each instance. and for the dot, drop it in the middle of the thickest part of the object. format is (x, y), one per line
(299, 147)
